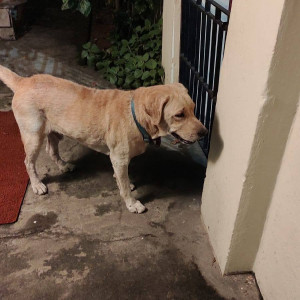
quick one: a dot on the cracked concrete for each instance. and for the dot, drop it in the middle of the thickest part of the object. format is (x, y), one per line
(79, 241)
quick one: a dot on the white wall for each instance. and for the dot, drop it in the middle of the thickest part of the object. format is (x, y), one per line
(251, 197)
(228, 189)
(277, 265)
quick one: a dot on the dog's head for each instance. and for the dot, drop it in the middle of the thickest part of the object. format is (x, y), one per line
(168, 109)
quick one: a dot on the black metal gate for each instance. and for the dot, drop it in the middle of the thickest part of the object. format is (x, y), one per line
(203, 34)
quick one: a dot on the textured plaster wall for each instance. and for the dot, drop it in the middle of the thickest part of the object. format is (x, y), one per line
(236, 141)
(278, 260)
(277, 263)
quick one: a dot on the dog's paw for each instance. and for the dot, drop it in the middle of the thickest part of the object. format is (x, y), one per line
(39, 188)
(137, 207)
(66, 167)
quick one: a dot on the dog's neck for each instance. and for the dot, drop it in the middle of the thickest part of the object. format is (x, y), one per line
(146, 136)
(149, 133)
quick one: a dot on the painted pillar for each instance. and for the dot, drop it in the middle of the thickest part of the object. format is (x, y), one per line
(256, 106)
(171, 39)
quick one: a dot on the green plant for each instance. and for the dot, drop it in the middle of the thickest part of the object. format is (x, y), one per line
(134, 59)
(91, 54)
(133, 13)
(83, 6)
(137, 61)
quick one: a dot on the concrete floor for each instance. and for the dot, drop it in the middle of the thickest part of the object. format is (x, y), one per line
(79, 241)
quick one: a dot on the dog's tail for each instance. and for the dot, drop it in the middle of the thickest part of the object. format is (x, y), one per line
(10, 78)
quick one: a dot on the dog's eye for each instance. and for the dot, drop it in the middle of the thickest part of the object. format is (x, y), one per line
(181, 115)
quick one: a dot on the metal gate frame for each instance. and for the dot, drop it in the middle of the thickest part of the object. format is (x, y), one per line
(204, 26)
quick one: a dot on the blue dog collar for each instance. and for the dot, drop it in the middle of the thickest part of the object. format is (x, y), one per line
(146, 137)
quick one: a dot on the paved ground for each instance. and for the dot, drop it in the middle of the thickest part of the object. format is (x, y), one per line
(79, 241)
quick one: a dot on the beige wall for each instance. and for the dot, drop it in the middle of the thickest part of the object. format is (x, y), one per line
(254, 163)
(228, 190)
(171, 39)
(277, 265)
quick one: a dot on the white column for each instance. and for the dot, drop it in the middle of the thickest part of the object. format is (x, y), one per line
(171, 39)
(252, 124)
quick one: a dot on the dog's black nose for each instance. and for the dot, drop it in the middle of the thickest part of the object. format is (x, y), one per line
(203, 132)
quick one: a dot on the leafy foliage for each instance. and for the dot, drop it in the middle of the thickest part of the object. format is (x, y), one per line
(134, 59)
(131, 63)
(83, 6)
(91, 53)
(134, 13)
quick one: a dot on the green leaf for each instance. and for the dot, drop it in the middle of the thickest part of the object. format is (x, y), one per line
(95, 49)
(121, 73)
(120, 61)
(120, 81)
(138, 28)
(147, 23)
(67, 4)
(129, 79)
(114, 70)
(87, 45)
(84, 6)
(90, 61)
(151, 64)
(113, 78)
(136, 84)
(153, 73)
(138, 73)
(146, 56)
(145, 75)
(127, 56)
(99, 65)
(84, 54)
(146, 83)
(124, 43)
(161, 72)
(123, 50)
(140, 61)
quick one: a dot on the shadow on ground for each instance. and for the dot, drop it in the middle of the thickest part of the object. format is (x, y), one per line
(166, 171)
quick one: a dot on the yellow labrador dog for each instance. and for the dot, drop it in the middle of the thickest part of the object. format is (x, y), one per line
(118, 121)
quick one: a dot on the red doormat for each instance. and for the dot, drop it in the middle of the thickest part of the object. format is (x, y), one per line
(13, 175)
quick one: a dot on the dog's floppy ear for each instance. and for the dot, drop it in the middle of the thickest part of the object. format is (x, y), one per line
(150, 104)
(154, 108)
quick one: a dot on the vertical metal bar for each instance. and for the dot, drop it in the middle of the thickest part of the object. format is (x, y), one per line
(207, 42)
(219, 54)
(212, 56)
(197, 37)
(197, 100)
(203, 31)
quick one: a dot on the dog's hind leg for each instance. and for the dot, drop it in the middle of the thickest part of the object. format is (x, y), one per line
(32, 128)
(53, 139)
(32, 144)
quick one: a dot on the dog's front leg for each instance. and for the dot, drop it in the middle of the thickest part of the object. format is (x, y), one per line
(121, 171)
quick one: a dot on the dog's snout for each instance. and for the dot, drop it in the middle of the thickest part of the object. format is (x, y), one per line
(203, 132)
